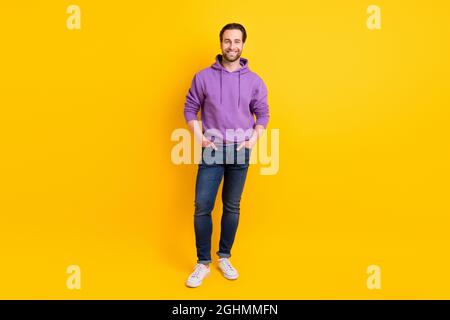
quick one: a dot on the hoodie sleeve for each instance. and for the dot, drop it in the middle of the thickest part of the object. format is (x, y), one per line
(259, 106)
(194, 100)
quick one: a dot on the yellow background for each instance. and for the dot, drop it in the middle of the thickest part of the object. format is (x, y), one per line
(86, 175)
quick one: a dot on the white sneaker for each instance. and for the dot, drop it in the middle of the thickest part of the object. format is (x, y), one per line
(196, 277)
(228, 270)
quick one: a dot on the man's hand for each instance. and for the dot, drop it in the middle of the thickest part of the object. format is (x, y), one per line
(257, 132)
(208, 143)
(247, 143)
(196, 127)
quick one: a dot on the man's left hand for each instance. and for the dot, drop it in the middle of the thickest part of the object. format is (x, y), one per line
(247, 144)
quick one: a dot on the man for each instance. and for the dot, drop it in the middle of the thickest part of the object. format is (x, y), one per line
(229, 95)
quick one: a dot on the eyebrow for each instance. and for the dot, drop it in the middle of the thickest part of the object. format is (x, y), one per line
(230, 39)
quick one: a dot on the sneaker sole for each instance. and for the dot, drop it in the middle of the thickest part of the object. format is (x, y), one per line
(229, 277)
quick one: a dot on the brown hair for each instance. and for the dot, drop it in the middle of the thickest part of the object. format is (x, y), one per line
(234, 26)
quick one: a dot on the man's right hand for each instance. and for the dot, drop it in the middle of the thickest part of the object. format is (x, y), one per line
(208, 143)
(196, 128)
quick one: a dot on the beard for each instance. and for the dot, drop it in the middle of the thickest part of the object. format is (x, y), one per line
(231, 57)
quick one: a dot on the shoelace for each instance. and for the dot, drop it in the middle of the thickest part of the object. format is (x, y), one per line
(229, 266)
(197, 271)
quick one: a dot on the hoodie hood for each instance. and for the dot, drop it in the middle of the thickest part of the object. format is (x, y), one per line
(242, 70)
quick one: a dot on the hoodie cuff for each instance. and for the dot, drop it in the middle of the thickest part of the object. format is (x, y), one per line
(190, 116)
(262, 121)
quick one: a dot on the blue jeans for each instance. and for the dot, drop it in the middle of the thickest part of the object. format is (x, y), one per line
(232, 165)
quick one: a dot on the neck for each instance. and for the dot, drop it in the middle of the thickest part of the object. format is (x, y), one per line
(230, 66)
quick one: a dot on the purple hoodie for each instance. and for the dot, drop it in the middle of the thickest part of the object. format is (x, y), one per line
(228, 101)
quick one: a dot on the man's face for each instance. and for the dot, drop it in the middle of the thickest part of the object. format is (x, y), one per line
(232, 45)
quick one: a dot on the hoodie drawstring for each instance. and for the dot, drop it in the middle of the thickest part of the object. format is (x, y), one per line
(239, 95)
(239, 86)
